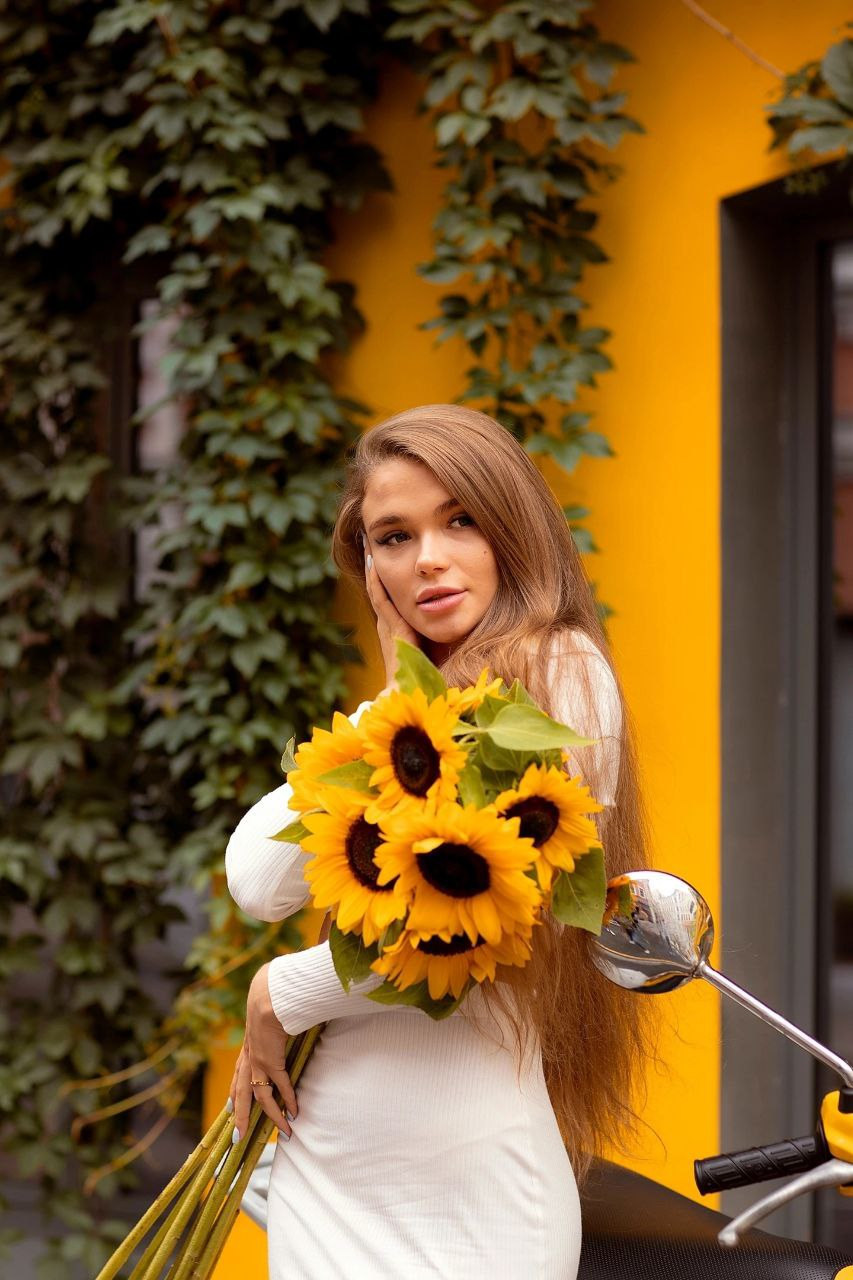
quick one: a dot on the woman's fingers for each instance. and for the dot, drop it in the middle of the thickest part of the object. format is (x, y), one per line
(281, 1080)
(233, 1085)
(390, 623)
(387, 613)
(266, 1100)
(264, 1093)
(243, 1095)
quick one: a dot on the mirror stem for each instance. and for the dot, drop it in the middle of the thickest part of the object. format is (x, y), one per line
(763, 1011)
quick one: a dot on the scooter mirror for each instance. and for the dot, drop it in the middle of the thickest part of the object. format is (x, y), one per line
(657, 932)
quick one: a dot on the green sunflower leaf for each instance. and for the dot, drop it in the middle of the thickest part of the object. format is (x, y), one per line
(521, 727)
(415, 671)
(578, 898)
(355, 776)
(470, 784)
(487, 710)
(418, 996)
(518, 694)
(295, 833)
(389, 935)
(351, 956)
(287, 761)
(494, 782)
(500, 760)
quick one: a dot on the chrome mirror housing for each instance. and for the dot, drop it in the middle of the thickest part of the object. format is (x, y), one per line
(657, 932)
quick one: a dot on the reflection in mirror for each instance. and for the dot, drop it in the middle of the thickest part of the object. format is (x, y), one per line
(657, 934)
(657, 931)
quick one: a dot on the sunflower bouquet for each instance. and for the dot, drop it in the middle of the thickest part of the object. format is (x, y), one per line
(442, 827)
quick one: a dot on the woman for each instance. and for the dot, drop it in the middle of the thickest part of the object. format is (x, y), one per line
(449, 1149)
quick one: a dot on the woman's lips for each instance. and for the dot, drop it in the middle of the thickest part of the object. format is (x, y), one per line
(442, 603)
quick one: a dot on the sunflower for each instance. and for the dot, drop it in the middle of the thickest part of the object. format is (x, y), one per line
(342, 874)
(462, 700)
(409, 741)
(447, 966)
(552, 809)
(464, 869)
(325, 751)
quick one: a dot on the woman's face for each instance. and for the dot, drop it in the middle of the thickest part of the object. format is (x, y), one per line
(423, 541)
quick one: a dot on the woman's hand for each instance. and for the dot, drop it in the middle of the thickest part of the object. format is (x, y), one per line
(390, 624)
(262, 1058)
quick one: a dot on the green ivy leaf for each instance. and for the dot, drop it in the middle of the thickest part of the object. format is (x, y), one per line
(837, 68)
(822, 139)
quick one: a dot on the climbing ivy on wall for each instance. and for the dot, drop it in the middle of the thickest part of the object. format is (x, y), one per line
(524, 114)
(813, 117)
(203, 153)
(212, 144)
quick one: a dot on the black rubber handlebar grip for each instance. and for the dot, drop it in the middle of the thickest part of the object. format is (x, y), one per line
(760, 1164)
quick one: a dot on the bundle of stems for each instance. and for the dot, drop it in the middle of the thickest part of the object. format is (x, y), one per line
(202, 1201)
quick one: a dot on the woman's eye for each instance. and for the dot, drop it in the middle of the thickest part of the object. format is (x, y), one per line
(390, 539)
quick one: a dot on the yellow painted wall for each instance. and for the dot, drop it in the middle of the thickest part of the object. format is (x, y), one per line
(656, 505)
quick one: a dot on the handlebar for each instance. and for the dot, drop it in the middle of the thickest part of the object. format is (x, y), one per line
(760, 1164)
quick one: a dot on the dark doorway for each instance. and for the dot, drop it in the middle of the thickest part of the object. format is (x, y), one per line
(784, 719)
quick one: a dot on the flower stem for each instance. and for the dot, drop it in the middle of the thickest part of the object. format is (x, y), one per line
(184, 1174)
(299, 1050)
(155, 1258)
(221, 1208)
(192, 1195)
(216, 1243)
(154, 1244)
(201, 1231)
(204, 1223)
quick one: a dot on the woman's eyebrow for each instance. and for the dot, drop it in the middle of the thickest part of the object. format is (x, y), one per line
(440, 509)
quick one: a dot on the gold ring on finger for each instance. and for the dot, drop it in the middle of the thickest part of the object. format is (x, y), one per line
(257, 1082)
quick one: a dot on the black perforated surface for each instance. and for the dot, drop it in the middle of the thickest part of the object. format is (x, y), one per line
(634, 1229)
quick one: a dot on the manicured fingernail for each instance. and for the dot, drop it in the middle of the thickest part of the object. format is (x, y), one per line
(370, 562)
(286, 1136)
(363, 538)
(229, 1106)
(290, 1117)
(235, 1136)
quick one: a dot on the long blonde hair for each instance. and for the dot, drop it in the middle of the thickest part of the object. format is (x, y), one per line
(594, 1038)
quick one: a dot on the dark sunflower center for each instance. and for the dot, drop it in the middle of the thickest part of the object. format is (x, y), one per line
(459, 943)
(539, 818)
(455, 869)
(362, 839)
(416, 761)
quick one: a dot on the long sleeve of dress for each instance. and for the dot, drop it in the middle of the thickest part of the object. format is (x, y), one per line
(265, 877)
(586, 698)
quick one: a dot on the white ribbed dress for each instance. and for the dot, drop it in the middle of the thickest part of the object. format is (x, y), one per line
(418, 1151)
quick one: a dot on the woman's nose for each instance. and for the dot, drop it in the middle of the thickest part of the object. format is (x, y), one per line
(431, 556)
